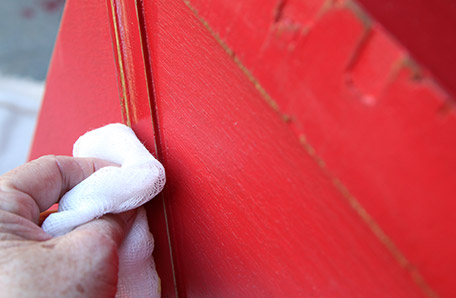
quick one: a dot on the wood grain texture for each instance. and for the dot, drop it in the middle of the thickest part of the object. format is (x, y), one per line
(251, 212)
(377, 122)
(81, 94)
(306, 153)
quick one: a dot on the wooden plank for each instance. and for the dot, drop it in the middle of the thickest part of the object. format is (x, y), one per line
(364, 109)
(80, 94)
(251, 212)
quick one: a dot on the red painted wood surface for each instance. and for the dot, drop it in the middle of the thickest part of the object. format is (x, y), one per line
(305, 153)
(251, 212)
(381, 126)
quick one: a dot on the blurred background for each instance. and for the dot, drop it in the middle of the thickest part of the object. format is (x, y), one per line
(28, 29)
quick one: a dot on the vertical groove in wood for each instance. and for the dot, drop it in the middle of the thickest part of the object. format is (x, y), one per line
(154, 113)
(136, 87)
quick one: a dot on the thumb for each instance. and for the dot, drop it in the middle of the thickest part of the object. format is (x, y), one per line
(84, 262)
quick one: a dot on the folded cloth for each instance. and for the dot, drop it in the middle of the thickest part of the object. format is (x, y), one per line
(139, 178)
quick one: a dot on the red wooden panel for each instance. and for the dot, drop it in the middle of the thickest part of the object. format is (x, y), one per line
(365, 111)
(78, 96)
(251, 213)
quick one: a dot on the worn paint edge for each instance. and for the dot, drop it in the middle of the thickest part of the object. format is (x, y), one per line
(365, 216)
(353, 202)
(231, 53)
(121, 76)
(365, 35)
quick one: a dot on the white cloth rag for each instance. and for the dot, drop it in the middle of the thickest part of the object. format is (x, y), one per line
(139, 178)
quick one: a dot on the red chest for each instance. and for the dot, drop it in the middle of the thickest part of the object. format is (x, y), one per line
(306, 152)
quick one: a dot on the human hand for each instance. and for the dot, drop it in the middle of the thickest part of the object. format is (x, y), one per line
(82, 263)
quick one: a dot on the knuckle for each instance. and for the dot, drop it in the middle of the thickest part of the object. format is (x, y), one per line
(50, 157)
(9, 205)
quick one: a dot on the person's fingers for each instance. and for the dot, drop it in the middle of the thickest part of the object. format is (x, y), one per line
(92, 248)
(15, 227)
(82, 263)
(36, 185)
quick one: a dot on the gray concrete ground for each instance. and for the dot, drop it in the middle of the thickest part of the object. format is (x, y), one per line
(28, 29)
